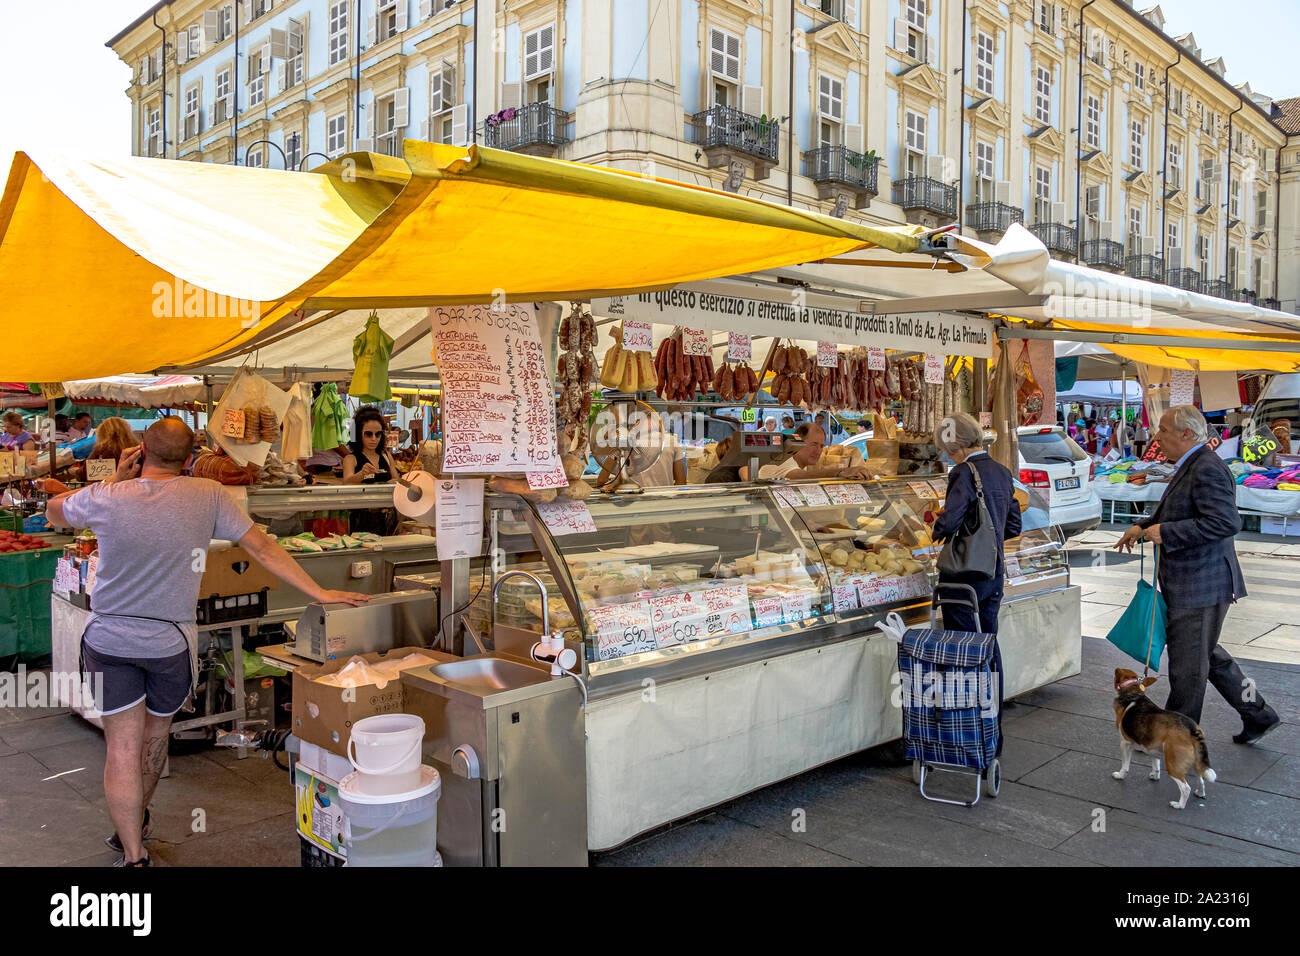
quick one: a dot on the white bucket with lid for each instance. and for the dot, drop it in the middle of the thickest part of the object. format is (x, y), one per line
(385, 751)
(396, 829)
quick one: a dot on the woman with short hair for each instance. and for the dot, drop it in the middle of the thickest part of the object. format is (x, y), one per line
(15, 436)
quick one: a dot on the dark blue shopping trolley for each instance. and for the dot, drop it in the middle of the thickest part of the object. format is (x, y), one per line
(952, 718)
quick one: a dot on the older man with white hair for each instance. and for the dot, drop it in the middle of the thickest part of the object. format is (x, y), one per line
(1194, 526)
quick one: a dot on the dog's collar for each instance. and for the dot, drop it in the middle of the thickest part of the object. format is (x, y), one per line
(1131, 680)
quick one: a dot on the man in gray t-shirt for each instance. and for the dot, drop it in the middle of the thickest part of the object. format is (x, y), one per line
(154, 526)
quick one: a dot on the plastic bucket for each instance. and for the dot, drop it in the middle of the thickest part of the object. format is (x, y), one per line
(385, 750)
(398, 829)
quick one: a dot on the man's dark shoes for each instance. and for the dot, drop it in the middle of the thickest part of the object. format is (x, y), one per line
(142, 862)
(1252, 732)
(115, 842)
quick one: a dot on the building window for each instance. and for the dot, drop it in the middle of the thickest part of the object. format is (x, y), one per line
(442, 97)
(336, 135)
(1042, 194)
(1135, 143)
(257, 8)
(914, 144)
(1203, 255)
(192, 112)
(338, 32)
(221, 105)
(1047, 17)
(294, 65)
(1234, 199)
(539, 62)
(153, 146)
(1171, 236)
(1234, 264)
(225, 22)
(293, 150)
(1134, 230)
(1139, 76)
(1175, 171)
(830, 107)
(1092, 129)
(724, 67)
(1043, 95)
(914, 16)
(256, 158)
(984, 63)
(985, 172)
(388, 21)
(1261, 209)
(256, 79)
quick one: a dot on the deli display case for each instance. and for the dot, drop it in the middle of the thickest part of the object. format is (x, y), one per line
(725, 634)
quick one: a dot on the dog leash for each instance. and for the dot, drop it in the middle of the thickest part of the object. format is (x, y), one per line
(1151, 635)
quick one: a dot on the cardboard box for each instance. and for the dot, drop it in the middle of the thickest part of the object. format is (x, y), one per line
(232, 571)
(320, 814)
(324, 714)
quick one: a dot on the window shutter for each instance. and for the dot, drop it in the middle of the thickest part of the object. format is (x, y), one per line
(460, 124)
(401, 108)
(1094, 202)
(1002, 191)
(851, 13)
(931, 51)
(853, 137)
(402, 14)
(366, 144)
(424, 131)
(1173, 258)
(511, 95)
(751, 100)
(823, 94)
(934, 167)
(1270, 160)
(212, 116)
(900, 34)
(182, 47)
(531, 43)
(733, 57)
(547, 51)
(282, 76)
(279, 44)
(448, 86)
(1058, 212)
(426, 9)
(210, 26)
(372, 25)
(436, 101)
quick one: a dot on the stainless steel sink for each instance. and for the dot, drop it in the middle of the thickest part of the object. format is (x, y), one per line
(486, 675)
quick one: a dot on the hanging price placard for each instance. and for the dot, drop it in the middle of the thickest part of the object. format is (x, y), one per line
(696, 342)
(827, 355)
(933, 369)
(637, 336)
(875, 359)
(739, 347)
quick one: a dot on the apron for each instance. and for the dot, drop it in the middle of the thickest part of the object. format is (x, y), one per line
(192, 645)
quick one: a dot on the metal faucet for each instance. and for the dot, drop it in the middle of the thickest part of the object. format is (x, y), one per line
(546, 613)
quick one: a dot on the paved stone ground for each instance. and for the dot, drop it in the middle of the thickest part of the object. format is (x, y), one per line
(1059, 754)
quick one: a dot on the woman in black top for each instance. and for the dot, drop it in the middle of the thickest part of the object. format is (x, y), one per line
(369, 463)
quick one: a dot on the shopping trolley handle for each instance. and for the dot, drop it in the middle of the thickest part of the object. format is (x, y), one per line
(973, 602)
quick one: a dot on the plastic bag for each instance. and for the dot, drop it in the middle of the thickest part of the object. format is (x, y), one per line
(1029, 397)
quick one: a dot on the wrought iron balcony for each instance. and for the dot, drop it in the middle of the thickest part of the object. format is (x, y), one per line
(1057, 236)
(536, 128)
(390, 143)
(1219, 288)
(929, 195)
(1188, 279)
(726, 129)
(1145, 266)
(993, 216)
(841, 165)
(1271, 303)
(1103, 254)
(1245, 295)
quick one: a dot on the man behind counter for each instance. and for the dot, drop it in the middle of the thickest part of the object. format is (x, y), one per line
(803, 463)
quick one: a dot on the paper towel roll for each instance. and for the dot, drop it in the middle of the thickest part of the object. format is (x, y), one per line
(422, 507)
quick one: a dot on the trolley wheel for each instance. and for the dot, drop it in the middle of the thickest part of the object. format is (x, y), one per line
(993, 778)
(916, 772)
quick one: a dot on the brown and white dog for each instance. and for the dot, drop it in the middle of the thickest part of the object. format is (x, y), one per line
(1160, 733)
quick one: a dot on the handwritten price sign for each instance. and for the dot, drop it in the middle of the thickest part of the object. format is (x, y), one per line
(565, 516)
(847, 494)
(739, 347)
(875, 359)
(768, 611)
(637, 336)
(547, 479)
(827, 355)
(789, 497)
(696, 342)
(845, 597)
(621, 629)
(933, 369)
(796, 608)
(814, 495)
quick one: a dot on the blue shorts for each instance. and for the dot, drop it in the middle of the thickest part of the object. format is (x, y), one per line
(161, 683)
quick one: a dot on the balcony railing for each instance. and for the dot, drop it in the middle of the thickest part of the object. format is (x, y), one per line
(537, 124)
(1145, 266)
(921, 192)
(1245, 295)
(1219, 288)
(993, 216)
(1103, 253)
(1057, 236)
(390, 143)
(839, 164)
(724, 127)
(1271, 303)
(1188, 279)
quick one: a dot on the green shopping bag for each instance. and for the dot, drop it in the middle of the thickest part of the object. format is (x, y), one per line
(1140, 631)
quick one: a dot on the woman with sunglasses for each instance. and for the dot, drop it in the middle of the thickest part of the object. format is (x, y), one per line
(369, 463)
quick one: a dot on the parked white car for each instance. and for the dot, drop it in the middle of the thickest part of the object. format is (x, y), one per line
(1052, 463)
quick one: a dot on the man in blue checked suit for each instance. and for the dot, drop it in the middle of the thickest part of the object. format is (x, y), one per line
(1194, 526)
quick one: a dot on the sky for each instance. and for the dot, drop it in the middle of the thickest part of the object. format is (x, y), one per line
(62, 89)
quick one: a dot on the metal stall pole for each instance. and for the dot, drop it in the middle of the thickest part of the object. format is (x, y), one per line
(49, 410)
(1123, 407)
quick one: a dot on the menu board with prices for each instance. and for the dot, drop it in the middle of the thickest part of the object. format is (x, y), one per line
(498, 405)
(933, 369)
(566, 516)
(694, 615)
(875, 359)
(696, 342)
(637, 336)
(827, 355)
(847, 494)
(621, 629)
(739, 347)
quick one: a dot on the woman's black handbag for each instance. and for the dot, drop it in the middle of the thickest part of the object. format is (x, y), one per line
(971, 554)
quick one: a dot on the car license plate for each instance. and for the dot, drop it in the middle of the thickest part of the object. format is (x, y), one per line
(1065, 484)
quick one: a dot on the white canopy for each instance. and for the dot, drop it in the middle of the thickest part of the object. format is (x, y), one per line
(1102, 393)
(145, 391)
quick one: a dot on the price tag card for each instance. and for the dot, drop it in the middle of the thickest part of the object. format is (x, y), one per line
(918, 585)
(768, 611)
(1182, 386)
(92, 571)
(748, 416)
(637, 336)
(933, 369)
(814, 495)
(66, 578)
(1013, 568)
(845, 597)
(827, 355)
(1254, 449)
(696, 342)
(867, 590)
(232, 422)
(875, 359)
(6, 464)
(847, 494)
(921, 489)
(890, 590)
(739, 347)
(566, 516)
(789, 497)
(621, 629)
(98, 469)
(940, 487)
(986, 419)
(727, 609)
(547, 479)
(796, 608)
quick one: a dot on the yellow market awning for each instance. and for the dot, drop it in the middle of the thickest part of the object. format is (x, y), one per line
(128, 265)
